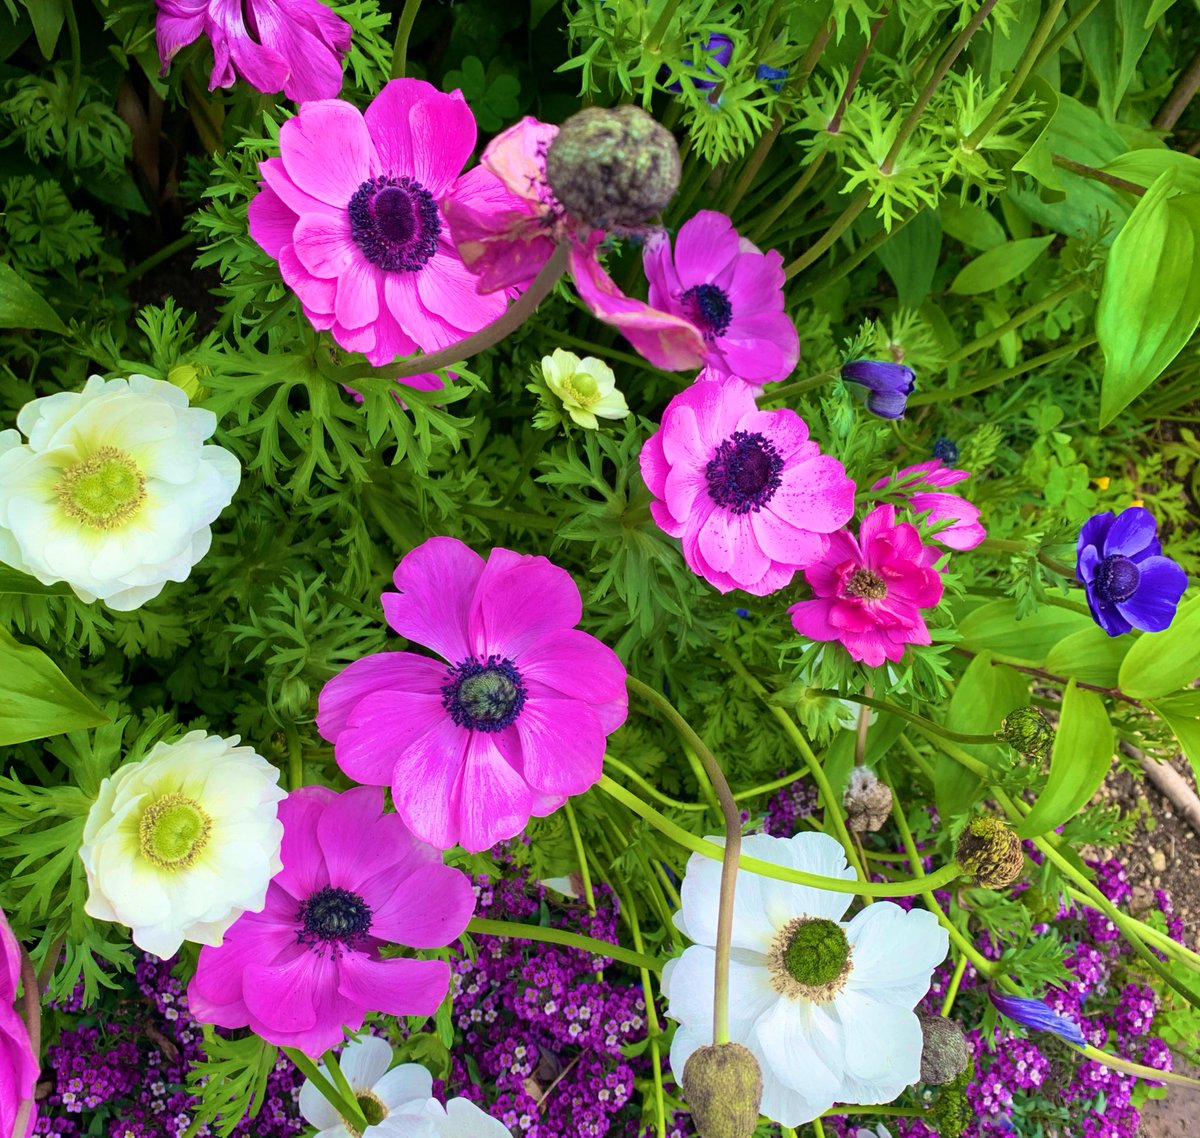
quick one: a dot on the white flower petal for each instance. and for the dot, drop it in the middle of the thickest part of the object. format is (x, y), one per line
(408, 1083)
(802, 1048)
(364, 1061)
(895, 952)
(318, 1111)
(464, 1119)
(883, 1049)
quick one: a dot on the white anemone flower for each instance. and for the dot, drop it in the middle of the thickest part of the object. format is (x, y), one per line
(880, 1131)
(587, 387)
(396, 1104)
(178, 845)
(115, 491)
(825, 1005)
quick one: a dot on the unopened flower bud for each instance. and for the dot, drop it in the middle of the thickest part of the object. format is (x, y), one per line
(613, 166)
(187, 379)
(294, 696)
(868, 801)
(990, 852)
(951, 1114)
(1028, 732)
(723, 1087)
(944, 1054)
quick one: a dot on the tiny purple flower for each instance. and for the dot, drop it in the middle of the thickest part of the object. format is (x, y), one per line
(1037, 1014)
(888, 385)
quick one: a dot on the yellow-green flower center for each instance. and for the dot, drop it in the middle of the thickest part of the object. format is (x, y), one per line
(373, 1110)
(104, 490)
(173, 831)
(810, 959)
(582, 388)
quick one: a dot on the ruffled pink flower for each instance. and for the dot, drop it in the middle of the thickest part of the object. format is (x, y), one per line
(731, 293)
(293, 46)
(870, 591)
(510, 722)
(964, 532)
(750, 495)
(353, 880)
(350, 211)
(19, 1066)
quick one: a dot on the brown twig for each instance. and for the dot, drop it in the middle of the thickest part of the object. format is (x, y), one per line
(1181, 95)
(1170, 784)
(1097, 175)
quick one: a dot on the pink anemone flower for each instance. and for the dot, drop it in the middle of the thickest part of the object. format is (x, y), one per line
(353, 880)
(965, 531)
(350, 211)
(750, 495)
(509, 723)
(293, 46)
(870, 591)
(19, 1067)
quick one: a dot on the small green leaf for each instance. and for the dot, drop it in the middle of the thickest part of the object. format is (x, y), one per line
(1038, 160)
(1090, 656)
(12, 581)
(910, 257)
(1150, 303)
(1083, 749)
(971, 224)
(1182, 714)
(36, 699)
(22, 307)
(998, 266)
(1159, 663)
(47, 17)
(994, 626)
(1144, 166)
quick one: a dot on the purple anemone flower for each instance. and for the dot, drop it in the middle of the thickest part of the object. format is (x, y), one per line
(719, 48)
(888, 385)
(1129, 583)
(1038, 1015)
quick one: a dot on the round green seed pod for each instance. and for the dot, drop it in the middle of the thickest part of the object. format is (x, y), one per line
(990, 852)
(613, 166)
(723, 1087)
(944, 1054)
(1028, 732)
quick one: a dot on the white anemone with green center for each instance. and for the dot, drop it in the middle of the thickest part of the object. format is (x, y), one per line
(587, 387)
(826, 1005)
(114, 491)
(178, 845)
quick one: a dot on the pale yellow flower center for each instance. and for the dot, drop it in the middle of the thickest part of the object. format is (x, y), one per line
(582, 388)
(174, 831)
(104, 490)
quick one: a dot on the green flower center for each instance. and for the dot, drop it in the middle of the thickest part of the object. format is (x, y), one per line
(104, 490)
(810, 959)
(372, 1108)
(173, 831)
(582, 388)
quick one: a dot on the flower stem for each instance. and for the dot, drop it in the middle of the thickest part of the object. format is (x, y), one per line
(1065, 32)
(801, 385)
(1095, 175)
(295, 758)
(403, 31)
(1002, 330)
(1138, 1069)
(654, 41)
(952, 988)
(485, 926)
(776, 784)
(730, 855)
(815, 252)
(784, 203)
(835, 124)
(343, 1084)
(349, 1110)
(903, 713)
(584, 873)
(143, 267)
(653, 791)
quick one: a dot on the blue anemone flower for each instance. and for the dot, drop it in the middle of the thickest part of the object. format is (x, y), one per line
(888, 385)
(718, 47)
(1038, 1015)
(776, 76)
(1129, 583)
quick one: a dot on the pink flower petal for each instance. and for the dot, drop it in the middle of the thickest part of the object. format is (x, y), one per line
(280, 995)
(427, 784)
(317, 295)
(387, 121)
(762, 347)
(728, 545)
(816, 495)
(303, 871)
(705, 244)
(519, 601)
(358, 293)
(437, 582)
(579, 666)
(495, 800)
(448, 288)
(272, 172)
(756, 284)
(394, 987)
(323, 244)
(357, 840)
(443, 136)
(562, 745)
(390, 672)
(654, 465)
(781, 541)
(405, 916)
(271, 222)
(327, 151)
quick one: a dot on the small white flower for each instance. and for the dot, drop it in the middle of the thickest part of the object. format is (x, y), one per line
(180, 844)
(826, 1006)
(115, 490)
(587, 387)
(396, 1104)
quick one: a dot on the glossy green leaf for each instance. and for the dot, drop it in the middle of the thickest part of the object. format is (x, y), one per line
(1082, 755)
(36, 699)
(1090, 656)
(12, 581)
(995, 627)
(1000, 265)
(1144, 166)
(910, 257)
(971, 224)
(22, 307)
(48, 17)
(1159, 663)
(1111, 42)
(1150, 303)
(1038, 159)
(1182, 714)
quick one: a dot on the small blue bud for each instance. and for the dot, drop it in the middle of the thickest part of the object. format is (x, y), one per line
(946, 450)
(1038, 1015)
(743, 613)
(718, 47)
(888, 385)
(777, 75)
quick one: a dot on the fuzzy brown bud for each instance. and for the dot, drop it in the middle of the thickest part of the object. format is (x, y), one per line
(1028, 732)
(868, 801)
(944, 1054)
(723, 1087)
(613, 166)
(990, 852)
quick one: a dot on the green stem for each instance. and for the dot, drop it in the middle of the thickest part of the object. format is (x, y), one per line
(816, 251)
(76, 61)
(818, 1129)
(801, 385)
(998, 333)
(1065, 33)
(343, 1084)
(653, 791)
(903, 713)
(952, 988)
(153, 261)
(785, 203)
(1142, 1072)
(654, 41)
(776, 784)
(940, 879)
(403, 31)
(882, 1110)
(517, 931)
(1151, 935)
(1024, 69)
(295, 757)
(350, 1111)
(584, 873)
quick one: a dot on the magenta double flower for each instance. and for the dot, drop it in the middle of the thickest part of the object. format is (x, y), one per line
(19, 1067)
(512, 719)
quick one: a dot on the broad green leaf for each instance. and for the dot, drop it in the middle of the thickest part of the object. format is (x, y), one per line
(911, 257)
(1144, 166)
(1082, 754)
(971, 224)
(995, 627)
(1112, 40)
(1182, 714)
(1038, 159)
(1090, 656)
(1159, 663)
(1150, 303)
(22, 307)
(12, 581)
(36, 699)
(1000, 265)
(1157, 10)
(47, 17)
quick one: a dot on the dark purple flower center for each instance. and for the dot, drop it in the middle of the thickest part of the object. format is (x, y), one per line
(333, 917)
(708, 307)
(484, 696)
(744, 473)
(866, 584)
(1116, 578)
(395, 222)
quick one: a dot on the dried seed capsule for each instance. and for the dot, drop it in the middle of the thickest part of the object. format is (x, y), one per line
(723, 1087)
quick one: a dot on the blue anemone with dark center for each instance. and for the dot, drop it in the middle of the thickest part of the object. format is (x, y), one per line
(744, 473)
(484, 695)
(708, 307)
(333, 919)
(887, 385)
(394, 221)
(1129, 583)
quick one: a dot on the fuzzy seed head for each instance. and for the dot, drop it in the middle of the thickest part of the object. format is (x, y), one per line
(868, 802)
(944, 1054)
(1028, 732)
(723, 1087)
(990, 852)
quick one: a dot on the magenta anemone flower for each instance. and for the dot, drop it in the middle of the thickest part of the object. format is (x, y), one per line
(750, 495)
(19, 1067)
(964, 531)
(510, 722)
(350, 210)
(870, 591)
(353, 880)
(293, 46)
(730, 292)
